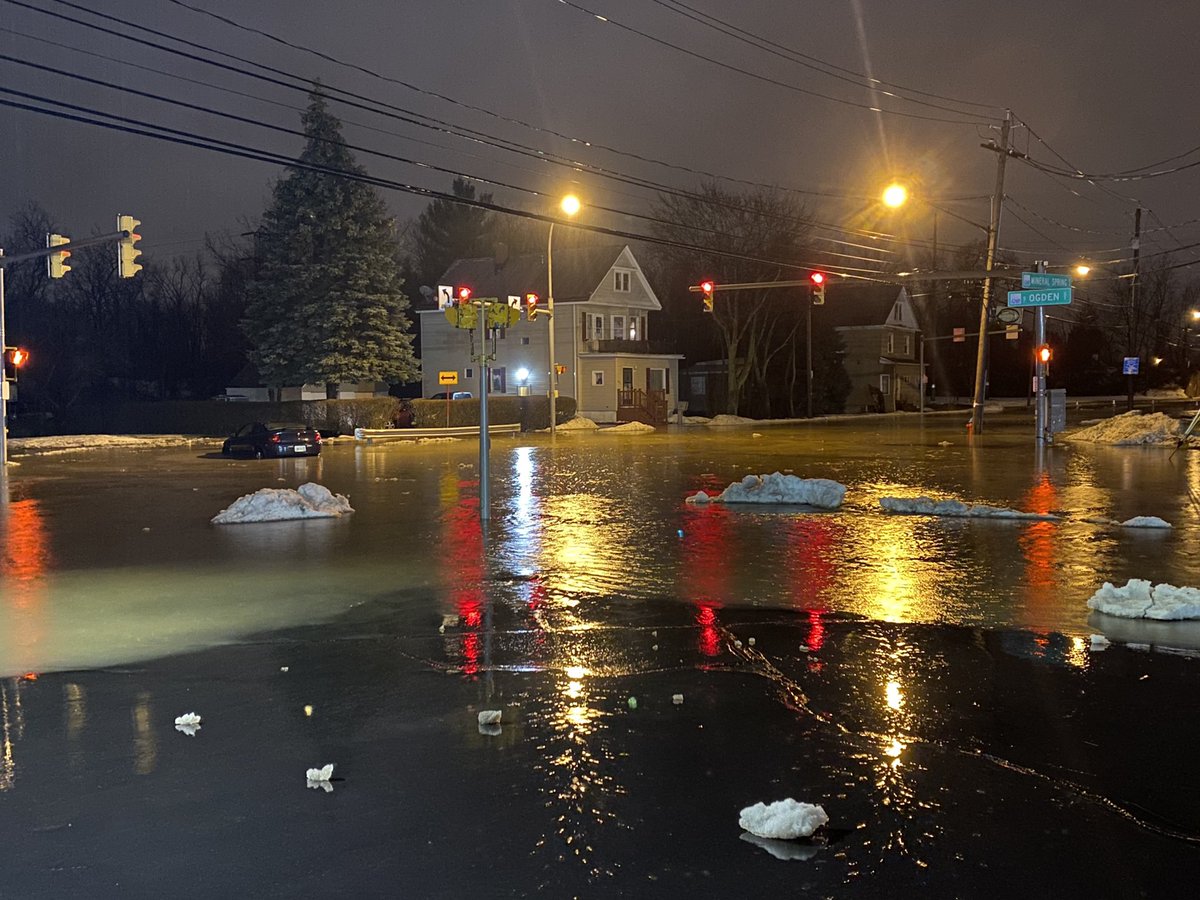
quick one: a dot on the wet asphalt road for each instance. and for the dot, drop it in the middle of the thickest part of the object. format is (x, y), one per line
(939, 695)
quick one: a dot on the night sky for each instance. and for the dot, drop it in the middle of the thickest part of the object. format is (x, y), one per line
(1107, 87)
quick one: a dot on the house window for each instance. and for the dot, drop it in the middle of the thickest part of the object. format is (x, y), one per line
(470, 373)
(633, 328)
(524, 341)
(891, 343)
(908, 345)
(499, 381)
(621, 280)
(627, 378)
(656, 379)
(618, 327)
(885, 385)
(597, 378)
(598, 328)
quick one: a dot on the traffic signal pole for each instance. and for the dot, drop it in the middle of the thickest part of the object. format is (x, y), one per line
(3, 398)
(1041, 413)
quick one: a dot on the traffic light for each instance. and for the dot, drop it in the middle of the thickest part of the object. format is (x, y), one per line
(1043, 354)
(708, 287)
(463, 294)
(817, 280)
(56, 263)
(531, 306)
(14, 358)
(127, 253)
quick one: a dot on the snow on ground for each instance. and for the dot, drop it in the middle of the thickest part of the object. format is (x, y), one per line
(778, 488)
(1172, 393)
(629, 428)
(923, 506)
(72, 443)
(309, 501)
(731, 420)
(1129, 429)
(696, 420)
(579, 423)
(1140, 599)
(783, 820)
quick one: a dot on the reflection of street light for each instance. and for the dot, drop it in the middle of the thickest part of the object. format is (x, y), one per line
(570, 205)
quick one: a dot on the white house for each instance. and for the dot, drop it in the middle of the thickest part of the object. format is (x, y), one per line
(607, 360)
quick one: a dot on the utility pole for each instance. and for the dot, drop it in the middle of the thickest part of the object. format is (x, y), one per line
(1041, 370)
(1133, 289)
(992, 236)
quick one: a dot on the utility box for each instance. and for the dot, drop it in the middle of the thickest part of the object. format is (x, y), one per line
(1058, 410)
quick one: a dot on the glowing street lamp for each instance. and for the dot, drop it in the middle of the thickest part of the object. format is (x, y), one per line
(570, 205)
(895, 195)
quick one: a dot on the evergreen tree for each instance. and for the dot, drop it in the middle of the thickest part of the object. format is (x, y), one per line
(447, 231)
(325, 304)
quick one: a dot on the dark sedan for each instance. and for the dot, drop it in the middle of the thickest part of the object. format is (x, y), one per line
(259, 440)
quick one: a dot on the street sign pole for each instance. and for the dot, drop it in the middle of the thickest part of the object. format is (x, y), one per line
(1040, 416)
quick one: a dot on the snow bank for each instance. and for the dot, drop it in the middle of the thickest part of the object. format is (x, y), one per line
(1141, 600)
(923, 506)
(309, 501)
(730, 420)
(1129, 429)
(579, 423)
(696, 420)
(629, 428)
(1174, 393)
(777, 488)
(72, 443)
(783, 820)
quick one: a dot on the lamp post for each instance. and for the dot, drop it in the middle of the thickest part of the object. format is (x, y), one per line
(894, 196)
(570, 205)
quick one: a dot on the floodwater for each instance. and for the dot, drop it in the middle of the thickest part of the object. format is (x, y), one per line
(110, 557)
(931, 682)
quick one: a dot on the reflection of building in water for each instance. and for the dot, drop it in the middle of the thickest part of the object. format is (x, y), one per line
(145, 743)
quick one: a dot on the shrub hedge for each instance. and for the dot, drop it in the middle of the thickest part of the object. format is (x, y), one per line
(533, 413)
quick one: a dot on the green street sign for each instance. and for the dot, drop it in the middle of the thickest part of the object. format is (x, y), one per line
(1048, 297)
(1044, 280)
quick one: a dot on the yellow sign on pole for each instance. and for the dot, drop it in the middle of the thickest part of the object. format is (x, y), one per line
(447, 378)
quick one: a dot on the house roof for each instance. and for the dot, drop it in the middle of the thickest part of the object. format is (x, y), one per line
(853, 305)
(577, 273)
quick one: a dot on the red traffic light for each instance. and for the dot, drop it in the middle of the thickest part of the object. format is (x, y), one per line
(1044, 353)
(707, 287)
(531, 299)
(464, 294)
(816, 277)
(18, 357)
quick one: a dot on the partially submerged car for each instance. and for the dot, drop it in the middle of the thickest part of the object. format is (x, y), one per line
(258, 439)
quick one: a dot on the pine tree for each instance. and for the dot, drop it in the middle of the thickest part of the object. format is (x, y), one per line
(447, 231)
(326, 303)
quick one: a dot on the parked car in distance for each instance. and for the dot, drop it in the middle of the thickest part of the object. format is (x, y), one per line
(257, 439)
(457, 395)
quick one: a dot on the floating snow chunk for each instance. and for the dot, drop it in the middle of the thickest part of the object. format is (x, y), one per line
(319, 778)
(1139, 599)
(783, 820)
(779, 488)
(490, 716)
(309, 501)
(579, 423)
(699, 497)
(756, 434)
(1099, 642)
(629, 428)
(724, 419)
(945, 444)
(677, 699)
(1129, 429)
(923, 506)
(188, 723)
(1145, 522)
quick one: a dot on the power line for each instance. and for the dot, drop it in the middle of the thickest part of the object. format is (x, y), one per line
(177, 136)
(756, 76)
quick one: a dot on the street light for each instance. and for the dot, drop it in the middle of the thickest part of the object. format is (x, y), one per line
(570, 205)
(895, 195)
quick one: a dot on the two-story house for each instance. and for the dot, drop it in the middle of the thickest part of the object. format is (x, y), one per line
(882, 338)
(606, 358)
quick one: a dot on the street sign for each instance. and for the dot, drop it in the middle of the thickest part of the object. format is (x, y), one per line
(1040, 297)
(447, 378)
(1006, 315)
(1012, 332)
(1129, 365)
(445, 295)
(960, 335)
(1044, 280)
